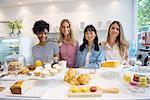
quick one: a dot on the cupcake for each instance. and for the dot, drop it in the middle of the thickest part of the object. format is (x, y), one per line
(53, 72)
(37, 72)
(59, 68)
(39, 67)
(47, 65)
(55, 65)
(45, 73)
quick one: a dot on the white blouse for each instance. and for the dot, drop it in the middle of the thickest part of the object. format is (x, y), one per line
(87, 58)
(112, 53)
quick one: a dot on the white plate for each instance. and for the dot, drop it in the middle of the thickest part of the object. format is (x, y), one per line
(50, 77)
(33, 92)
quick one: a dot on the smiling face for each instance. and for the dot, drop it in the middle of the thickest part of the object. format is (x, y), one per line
(42, 36)
(90, 36)
(65, 28)
(114, 30)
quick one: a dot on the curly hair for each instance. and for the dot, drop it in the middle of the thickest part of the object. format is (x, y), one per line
(40, 26)
(85, 42)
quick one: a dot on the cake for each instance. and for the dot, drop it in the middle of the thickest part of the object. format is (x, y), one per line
(45, 73)
(55, 65)
(110, 64)
(127, 77)
(53, 71)
(59, 68)
(136, 77)
(47, 65)
(93, 89)
(48, 68)
(18, 88)
(39, 67)
(37, 72)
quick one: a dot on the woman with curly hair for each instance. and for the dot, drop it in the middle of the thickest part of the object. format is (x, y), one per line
(45, 50)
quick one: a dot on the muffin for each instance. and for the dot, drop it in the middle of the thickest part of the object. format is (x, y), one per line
(55, 65)
(59, 68)
(47, 65)
(39, 67)
(37, 72)
(53, 71)
(45, 73)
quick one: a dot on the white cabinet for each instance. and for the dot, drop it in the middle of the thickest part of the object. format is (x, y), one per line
(53, 36)
(16, 45)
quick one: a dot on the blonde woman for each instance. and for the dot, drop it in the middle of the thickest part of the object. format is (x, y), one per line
(116, 45)
(67, 43)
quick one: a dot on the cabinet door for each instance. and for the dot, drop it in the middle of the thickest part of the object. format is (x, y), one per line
(8, 46)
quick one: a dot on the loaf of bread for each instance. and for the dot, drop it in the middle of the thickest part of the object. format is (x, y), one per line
(18, 88)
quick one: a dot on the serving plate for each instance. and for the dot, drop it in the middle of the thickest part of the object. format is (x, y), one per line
(50, 77)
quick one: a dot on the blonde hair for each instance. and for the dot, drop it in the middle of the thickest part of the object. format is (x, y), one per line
(121, 40)
(72, 35)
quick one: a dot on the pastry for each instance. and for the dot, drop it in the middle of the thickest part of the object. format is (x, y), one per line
(84, 79)
(70, 74)
(53, 71)
(133, 83)
(45, 73)
(127, 77)
(143, 81)
(18, 88)
(24, 70)
(59, 68)
(71, 78)
(14, 65)
(93, 89)
(84, 89)
(47, 66)
(55, 65)
(74, 81)
(38, 63)
(110, 64)
(136, 77)
(31, 67)
(37, 72)
(74, 89)
(39, 67)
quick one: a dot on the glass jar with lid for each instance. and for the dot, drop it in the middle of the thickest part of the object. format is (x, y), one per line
(15, 62)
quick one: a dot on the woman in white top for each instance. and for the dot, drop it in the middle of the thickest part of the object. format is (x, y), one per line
(116, 45)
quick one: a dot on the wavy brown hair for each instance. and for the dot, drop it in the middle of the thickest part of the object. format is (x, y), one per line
(121, 40)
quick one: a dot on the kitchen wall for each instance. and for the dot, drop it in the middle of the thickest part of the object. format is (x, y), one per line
(87, 11)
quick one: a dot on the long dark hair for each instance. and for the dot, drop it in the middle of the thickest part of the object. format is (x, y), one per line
(90, 28)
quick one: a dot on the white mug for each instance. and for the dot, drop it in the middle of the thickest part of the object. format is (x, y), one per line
(63, 63)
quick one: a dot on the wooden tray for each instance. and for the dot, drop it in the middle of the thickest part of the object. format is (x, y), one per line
(92, 94)
(85, 94)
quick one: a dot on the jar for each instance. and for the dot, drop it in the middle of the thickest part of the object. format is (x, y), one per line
(3, 68)
(15, 62)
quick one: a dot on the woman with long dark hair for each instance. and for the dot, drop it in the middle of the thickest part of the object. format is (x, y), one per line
(90, 54)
